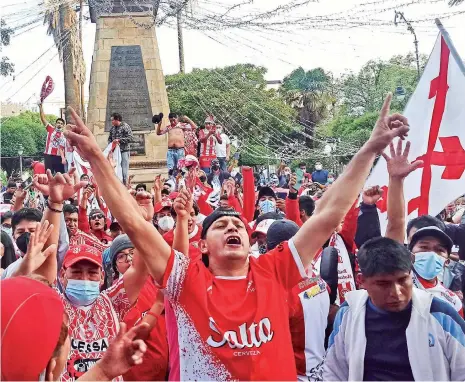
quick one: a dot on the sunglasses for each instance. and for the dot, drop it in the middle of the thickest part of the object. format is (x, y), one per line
(96, 217)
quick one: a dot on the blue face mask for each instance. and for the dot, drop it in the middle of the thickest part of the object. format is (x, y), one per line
(428, 265)
(267, 206)
(82, 292)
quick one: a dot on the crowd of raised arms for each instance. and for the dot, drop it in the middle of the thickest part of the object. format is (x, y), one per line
(220, 273)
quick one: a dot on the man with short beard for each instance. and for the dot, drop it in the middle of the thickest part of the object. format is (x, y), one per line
(230, 320)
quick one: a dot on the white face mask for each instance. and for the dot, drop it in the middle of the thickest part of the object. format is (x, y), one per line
(166, 223)
(318, 167)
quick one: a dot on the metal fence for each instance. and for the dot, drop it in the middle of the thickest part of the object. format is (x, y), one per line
(11, 164)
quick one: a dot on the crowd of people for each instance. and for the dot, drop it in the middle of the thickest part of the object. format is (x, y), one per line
(217, 273)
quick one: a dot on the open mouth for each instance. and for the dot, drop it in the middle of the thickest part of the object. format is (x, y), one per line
(233, 240)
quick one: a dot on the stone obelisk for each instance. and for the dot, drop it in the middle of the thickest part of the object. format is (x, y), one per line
(127, 78)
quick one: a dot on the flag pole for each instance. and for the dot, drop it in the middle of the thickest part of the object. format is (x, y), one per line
(451, 46)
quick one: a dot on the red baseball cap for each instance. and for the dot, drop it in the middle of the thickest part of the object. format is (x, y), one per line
(165, 203)
(82, 252)
(32, 317)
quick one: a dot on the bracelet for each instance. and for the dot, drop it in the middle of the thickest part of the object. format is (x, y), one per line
(53, 209)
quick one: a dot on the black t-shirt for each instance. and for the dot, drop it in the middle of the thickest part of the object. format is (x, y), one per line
(7, 197)
(386, 354)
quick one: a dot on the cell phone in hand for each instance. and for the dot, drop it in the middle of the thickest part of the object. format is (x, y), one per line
(26, 185)
(300, 177)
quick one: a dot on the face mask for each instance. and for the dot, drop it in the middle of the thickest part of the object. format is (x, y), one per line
(166, 223)
(82, 292)
(23, 241)
(330, 180)
(318, 167)
(428, 265)
(203, 179)
(8, 230)
(267, 206)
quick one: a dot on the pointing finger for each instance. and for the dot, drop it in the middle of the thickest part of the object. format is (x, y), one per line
(386, 106)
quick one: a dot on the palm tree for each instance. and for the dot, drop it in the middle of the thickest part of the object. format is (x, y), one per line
(62, 25)
(310, 94)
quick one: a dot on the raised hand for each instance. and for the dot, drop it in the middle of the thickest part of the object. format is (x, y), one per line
(82, 138)
(62, 187)
(281, 204)
(372, 195)
(19, 196)
(157, 183)
(144, 201)
(387, 127)
(398, 164)
(183, 204)
(292, 183)
(124, 352)
(34, 257)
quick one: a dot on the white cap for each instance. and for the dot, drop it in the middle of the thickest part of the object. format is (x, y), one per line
(263, 226)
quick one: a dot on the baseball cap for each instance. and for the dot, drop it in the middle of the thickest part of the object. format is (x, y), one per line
(266, 191)
(165, 203)
(263, 227)
(32, 317)
(280, 231)
(434, 232)
(82, 252)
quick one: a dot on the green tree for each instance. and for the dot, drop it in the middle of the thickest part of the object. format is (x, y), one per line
(24, 129)
(311, 94)
(365, 91)
(236, 96)
(7, 68)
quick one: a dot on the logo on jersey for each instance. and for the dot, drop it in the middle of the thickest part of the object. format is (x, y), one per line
(315, 290)
(430, 340)
(253, 336)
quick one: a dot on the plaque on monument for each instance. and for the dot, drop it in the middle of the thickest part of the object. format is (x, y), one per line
(128, 92)
(138, 144)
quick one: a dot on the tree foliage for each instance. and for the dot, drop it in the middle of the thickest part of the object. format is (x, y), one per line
(311, 94)
(365, 91)
(6, 67)
(25, 129)
(236, 96)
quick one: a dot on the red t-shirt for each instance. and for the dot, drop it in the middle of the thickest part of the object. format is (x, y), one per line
(155, 364)
(38, 168)
(194, 239)
(55, 141)
(232, 328)
(92, 328)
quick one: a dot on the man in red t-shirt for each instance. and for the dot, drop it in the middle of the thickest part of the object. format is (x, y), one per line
(38, 168)
(230, 320)
(208, 138)
(54, 154)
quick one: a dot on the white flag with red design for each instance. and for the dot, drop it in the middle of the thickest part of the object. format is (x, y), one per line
(436, 115)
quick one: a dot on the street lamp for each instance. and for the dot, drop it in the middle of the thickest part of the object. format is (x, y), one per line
(400, 93)
(20, 153)
(266, 139)
(401, 16)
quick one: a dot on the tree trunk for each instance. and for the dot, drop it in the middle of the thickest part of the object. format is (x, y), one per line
(72, 86)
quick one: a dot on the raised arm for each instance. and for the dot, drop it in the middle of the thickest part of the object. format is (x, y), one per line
(338, 199)
(191, 122)
(398, 168)
(153, 248)
(182, 206)
(42, 115)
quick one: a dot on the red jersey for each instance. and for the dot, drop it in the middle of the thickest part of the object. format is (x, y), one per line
(308, 318)
(194, 239)
(229, 328)
(55, 141)
(155, 364)
(80, 237)
(92, 328)
(207, 149)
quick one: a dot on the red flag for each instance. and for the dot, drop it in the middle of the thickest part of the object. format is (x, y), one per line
(47, 88)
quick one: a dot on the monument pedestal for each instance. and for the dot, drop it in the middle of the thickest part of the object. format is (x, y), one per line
(127, 78)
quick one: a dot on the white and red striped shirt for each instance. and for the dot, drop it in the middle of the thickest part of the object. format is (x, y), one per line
(55, 141)
(207, 149)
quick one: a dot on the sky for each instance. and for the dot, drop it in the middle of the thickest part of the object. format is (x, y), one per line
(337, 50)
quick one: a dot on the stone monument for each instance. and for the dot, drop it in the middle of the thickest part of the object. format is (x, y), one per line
(127, 78)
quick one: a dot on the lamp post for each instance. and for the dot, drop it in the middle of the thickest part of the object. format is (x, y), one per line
(266, 139)
(20, 153)
(401, 16)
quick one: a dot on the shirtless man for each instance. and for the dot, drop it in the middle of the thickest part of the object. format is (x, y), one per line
(176, 143)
